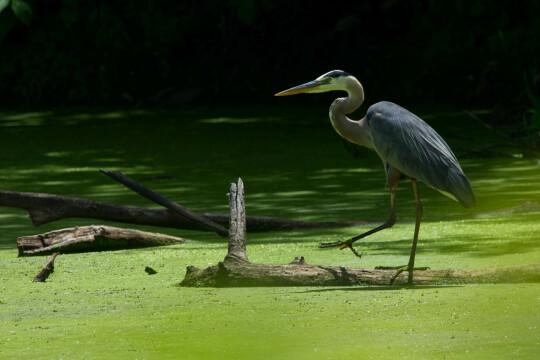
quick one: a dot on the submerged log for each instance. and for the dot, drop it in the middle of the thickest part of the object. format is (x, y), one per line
(91, 238)
(236, 270)
(45, 208)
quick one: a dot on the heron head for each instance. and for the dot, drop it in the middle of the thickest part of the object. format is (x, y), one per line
(331, 81)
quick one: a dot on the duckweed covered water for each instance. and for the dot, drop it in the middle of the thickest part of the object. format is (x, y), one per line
(103, 305)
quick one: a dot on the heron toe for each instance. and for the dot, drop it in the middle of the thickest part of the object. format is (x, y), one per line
(341, 245)
(332, 244)
(400, 269)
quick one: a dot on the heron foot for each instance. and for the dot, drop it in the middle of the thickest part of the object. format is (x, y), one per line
(341, 245)
(399, 270)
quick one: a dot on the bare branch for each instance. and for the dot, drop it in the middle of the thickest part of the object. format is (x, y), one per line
(163, 201)
(47, 270)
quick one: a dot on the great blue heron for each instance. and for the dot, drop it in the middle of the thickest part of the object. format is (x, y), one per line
(407, 145)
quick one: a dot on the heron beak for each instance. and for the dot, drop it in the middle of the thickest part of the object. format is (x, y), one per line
(308, 87)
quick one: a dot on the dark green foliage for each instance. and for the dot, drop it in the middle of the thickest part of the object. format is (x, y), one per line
(22, 11)
(466, 53)
(3, 4)
(531, 119)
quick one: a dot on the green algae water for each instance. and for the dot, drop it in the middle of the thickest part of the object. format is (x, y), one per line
(103, 304)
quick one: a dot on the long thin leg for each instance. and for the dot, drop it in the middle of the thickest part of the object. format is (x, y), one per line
(410, 266)
(387, 224)
(419, 211)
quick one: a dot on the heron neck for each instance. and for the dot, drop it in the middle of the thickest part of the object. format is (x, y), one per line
(355, 131)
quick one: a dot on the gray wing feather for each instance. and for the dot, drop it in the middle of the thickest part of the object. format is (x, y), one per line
(407, 143)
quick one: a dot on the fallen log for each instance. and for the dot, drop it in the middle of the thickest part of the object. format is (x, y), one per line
(45, 208)
(236, 270)
(234, 274)
(163, 201)
(91, 238)
(47, 270)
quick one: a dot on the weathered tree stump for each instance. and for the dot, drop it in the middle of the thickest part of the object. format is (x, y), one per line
(91, 238)
(236, 270)
(237, 229)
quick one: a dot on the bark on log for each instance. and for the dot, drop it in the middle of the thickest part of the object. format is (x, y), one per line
(233, 274)
(163, 201)
(47, 270)
(91, 238)
(237, 228)
(45, 208)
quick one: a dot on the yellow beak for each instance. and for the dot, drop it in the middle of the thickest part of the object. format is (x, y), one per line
(308, 87)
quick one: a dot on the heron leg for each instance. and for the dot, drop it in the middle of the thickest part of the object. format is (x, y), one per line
(387, 224)
(419, 211)
(410, 266)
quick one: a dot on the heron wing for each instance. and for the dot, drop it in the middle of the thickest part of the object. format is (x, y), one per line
(407, 143)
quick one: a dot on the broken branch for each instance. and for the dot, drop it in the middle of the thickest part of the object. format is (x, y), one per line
(47, 270)
(163, 201)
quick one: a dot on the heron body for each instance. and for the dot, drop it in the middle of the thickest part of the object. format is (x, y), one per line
(407, 146)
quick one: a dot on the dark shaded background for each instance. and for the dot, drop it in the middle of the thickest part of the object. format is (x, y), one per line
(461, 53)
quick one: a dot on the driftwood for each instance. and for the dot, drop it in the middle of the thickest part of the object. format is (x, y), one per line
(46, 208)
(161, 200)
(91, 238)
(47, 270)
(236, 270)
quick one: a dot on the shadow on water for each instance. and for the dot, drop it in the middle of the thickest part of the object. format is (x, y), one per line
(379, 288)
(488, 244)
